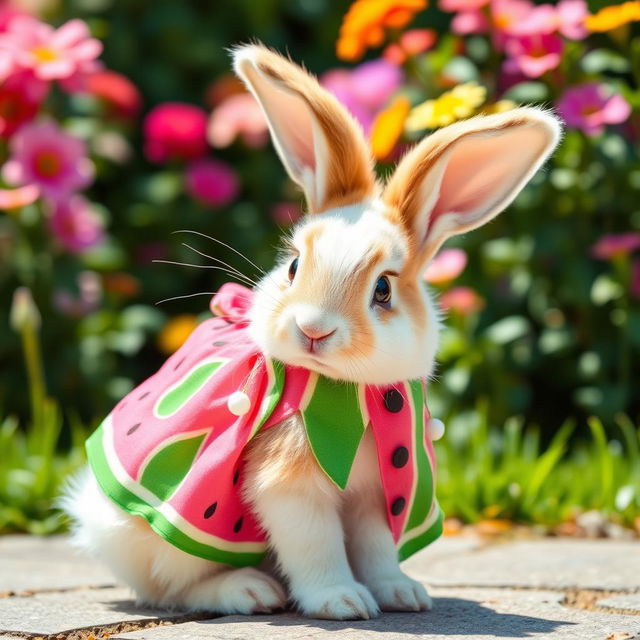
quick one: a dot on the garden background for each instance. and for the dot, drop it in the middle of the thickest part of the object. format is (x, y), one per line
(124, 126)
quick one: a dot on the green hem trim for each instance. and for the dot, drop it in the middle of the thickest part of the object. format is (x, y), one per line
(134, 505)
(420, 541)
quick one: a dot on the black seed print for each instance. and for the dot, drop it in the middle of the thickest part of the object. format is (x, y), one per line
(400, 457)
(393, 401)
(238, 525)
(236, 476)
(179, 364)
(397, 506)
(144, 395)
(210, 510)
(219, 343)
(132, 429)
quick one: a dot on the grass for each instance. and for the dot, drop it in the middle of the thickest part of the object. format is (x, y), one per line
(485, 473)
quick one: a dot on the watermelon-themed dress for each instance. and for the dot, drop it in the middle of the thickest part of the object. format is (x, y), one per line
(171, 451)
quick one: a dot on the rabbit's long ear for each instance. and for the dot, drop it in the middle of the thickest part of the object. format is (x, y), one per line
(319, 143)
(465, 174)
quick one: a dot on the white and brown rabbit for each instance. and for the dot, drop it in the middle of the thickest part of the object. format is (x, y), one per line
(347, 302)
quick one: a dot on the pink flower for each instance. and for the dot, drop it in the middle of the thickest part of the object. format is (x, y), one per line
(468, 22)
(285, 213)
(534, 55)
(446, 266)
(44, 155)
(20, 197)
(365, 89)
(232, 301)
(117, 91)
(20, 97)
(617, 244)
(212, 182)
(590, 107)
(238, 116)
(175, 131)
(462, 5)
(76, 225)
(51, 54)
(508, 18)
(462, 300)
(410, 43)
(570, 15)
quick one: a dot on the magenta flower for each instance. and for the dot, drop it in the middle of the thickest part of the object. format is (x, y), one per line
(238, 115)
(616, 244)
(44, 155)
(365, 89)
(589, 107)
(446, 266)
(20, 97)
(533, 55)
(76, 225)
(175, 131)
(212, 182)
(50, 54)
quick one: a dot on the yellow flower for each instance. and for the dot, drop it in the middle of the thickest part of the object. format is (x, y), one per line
(175, 332)
(388, 127)
(499, 107)
(457, 104)
(613, 17)
(364, 24)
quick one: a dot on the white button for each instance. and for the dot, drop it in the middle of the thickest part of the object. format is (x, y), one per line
(238, 403)
(435, 428)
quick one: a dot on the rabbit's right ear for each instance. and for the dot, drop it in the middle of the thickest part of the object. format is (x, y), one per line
(320, 144)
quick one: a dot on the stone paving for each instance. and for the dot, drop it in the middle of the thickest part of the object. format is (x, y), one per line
(551, 589)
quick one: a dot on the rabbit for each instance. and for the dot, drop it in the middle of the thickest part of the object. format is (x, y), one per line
(347, 301)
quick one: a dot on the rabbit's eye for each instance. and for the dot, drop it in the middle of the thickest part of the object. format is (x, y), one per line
(382, 292)
(293, 267)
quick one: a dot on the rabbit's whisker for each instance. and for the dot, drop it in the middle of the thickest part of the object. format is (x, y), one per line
(242, 278)
(222, 262)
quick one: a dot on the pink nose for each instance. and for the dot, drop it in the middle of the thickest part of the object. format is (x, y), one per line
(315, 333)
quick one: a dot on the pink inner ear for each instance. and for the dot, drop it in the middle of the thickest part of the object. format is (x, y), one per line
(484, 169)
(290, 119)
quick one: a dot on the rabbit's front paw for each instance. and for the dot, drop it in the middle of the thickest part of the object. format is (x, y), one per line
(401, 593)
(349, 601)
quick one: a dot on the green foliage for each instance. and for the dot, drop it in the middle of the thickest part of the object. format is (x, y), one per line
(506, 473)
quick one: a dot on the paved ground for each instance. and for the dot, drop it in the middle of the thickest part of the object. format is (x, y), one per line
(553, 589)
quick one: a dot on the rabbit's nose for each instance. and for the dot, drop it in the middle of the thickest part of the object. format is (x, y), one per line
(315, 333)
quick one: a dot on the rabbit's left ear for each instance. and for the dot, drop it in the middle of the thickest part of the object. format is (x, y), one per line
(320, 144)
(463, 175)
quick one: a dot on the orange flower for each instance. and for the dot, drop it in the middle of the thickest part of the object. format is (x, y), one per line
(611, 18)
(388, 127)
(364, 24)
(175, 332)
(411, 43)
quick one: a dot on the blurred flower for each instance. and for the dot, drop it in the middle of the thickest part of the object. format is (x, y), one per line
(24, 314)
(20, 197)
(76, 225)
(20, 99)
(534, 55)
(468, 22)
(388, 127)
(462, 5)
(365, 89)
(175, 332)
(44, 155)
(117, 91)
(499, 107)
(610, 18)
(462, 300)
(617, 244)
(223, 87)
(410, 44)
(446, 266)
(7, 13)
(571, 16)
(635, 279)
(238, 115)
(457, 104)
(112, 145)
(285, 213)
(364, 24)
(175, 131)
(590, 107)
(212, 182)
(51, 54)
(88, 300)
(121, 284)
(509, 17)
